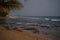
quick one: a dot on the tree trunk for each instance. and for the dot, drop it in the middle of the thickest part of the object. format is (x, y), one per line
(3, 14)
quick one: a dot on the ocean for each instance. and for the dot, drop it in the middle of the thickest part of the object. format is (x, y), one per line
(48, 26)
(48, 20)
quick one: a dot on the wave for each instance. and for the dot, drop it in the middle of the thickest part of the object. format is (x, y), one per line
(31, 17)
(35, 18)
(19, 23)
(31, 23)
(55, 19)
(47, 19)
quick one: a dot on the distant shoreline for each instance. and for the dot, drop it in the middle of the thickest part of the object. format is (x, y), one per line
(8, 17)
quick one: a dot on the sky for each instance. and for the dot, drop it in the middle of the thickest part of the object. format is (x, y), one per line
(38, 8)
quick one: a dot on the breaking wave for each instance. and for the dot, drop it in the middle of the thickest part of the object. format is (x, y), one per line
(55, 19)
(47, 19)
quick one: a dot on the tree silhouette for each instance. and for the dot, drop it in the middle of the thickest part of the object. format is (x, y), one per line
(7, 5)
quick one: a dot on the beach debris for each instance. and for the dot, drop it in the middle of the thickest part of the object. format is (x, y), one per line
(18, 29)
(45, 26)
(30, 29)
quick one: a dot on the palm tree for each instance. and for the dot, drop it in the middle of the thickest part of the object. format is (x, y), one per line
(7, 5)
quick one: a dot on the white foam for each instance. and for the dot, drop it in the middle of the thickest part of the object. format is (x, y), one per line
(35, 18)
(55, 19)
(31, 23)
(19, 23)
(47, 19)
(31, 18)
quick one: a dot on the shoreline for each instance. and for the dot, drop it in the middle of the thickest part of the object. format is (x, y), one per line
(37, 30)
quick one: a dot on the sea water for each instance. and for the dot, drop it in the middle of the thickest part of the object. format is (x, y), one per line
(50, 20)
(51, 23)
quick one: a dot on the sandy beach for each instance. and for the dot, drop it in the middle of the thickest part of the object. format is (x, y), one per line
(16, 35)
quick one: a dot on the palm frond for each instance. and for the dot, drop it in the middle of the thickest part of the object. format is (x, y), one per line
(13, 5)
(4, 10)
(7, 5)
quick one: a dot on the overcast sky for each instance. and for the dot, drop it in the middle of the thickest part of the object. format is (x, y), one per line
(39, 8)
